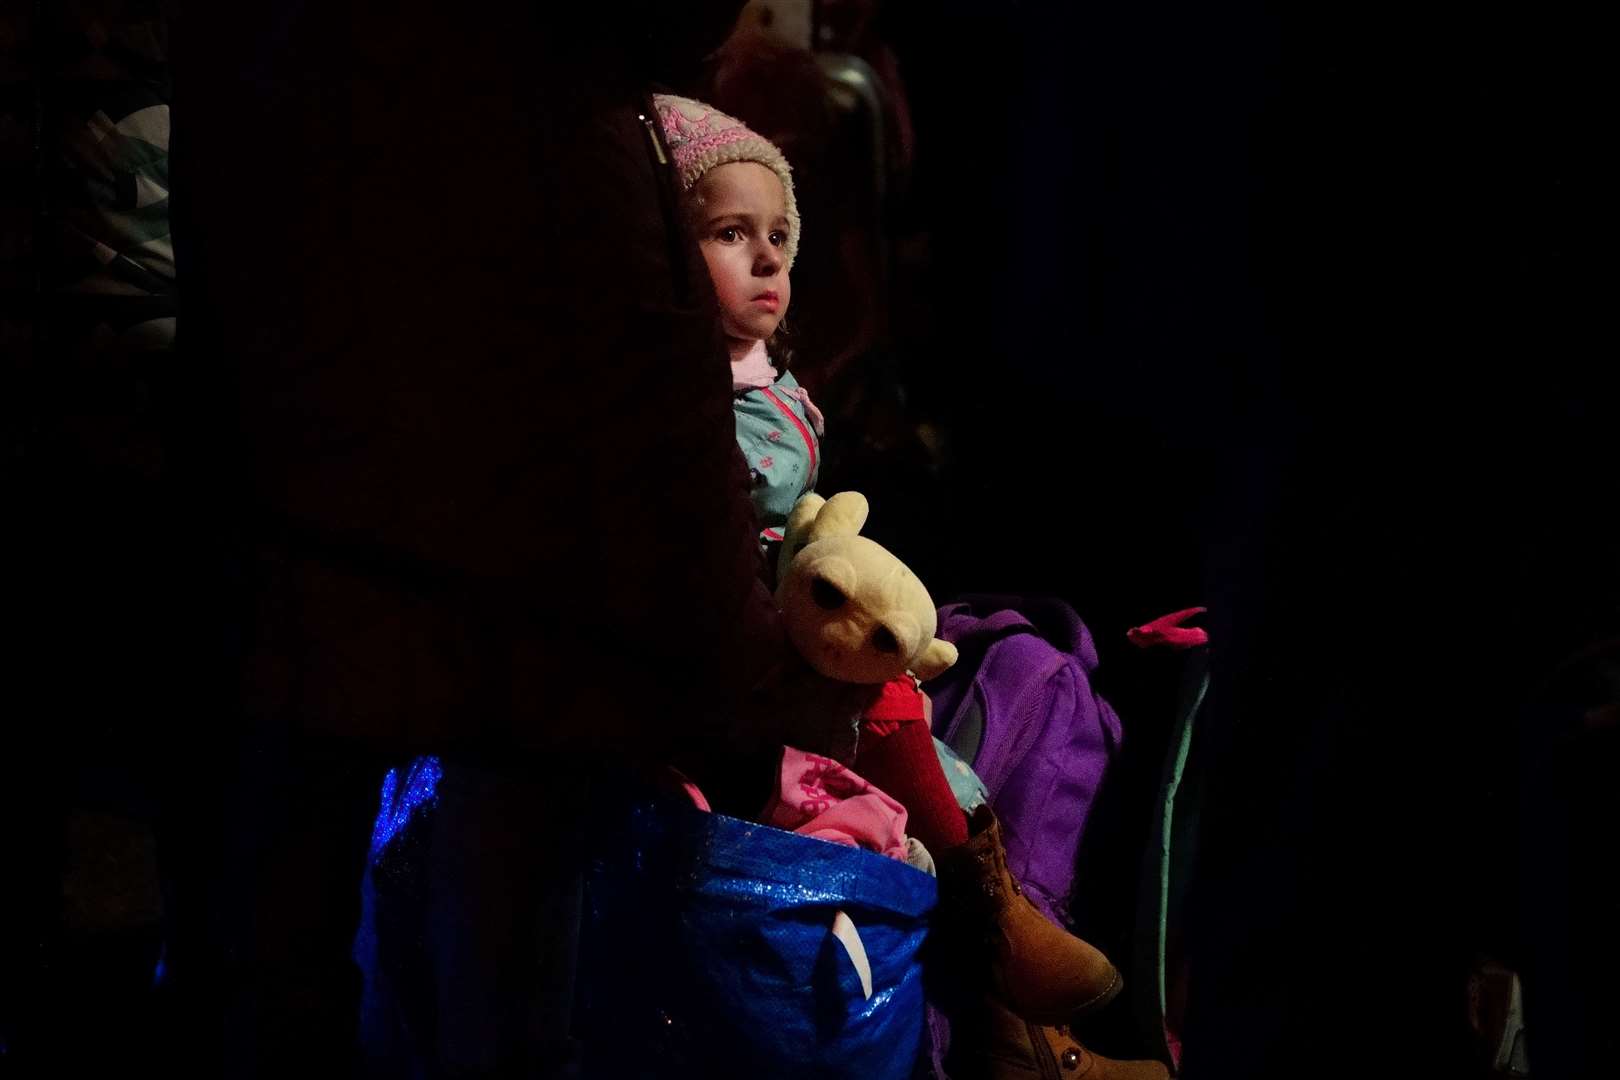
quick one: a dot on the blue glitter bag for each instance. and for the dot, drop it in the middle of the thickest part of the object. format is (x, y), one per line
(716, 947)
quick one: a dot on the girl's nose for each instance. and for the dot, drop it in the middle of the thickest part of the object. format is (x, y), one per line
(767, 260)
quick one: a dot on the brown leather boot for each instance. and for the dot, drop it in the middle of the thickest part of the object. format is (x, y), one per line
(1039, 970)
(996, 1045)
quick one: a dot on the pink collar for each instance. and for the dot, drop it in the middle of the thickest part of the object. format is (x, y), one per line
(754, 370)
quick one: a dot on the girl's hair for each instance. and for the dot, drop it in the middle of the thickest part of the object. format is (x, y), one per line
(780, 346)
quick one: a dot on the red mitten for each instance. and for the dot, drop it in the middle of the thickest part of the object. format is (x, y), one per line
(1167, 630)
(896, 754)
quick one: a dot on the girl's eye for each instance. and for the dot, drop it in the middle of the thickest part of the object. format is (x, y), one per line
(727, 235)
(778, 238)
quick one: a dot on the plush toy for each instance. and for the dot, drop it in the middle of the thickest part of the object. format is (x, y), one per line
(853, 610)
(858, 615)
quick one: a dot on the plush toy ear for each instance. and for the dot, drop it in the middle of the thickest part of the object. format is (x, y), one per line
(934, 660)
(814, 518)
(801, 520)
(843, 515)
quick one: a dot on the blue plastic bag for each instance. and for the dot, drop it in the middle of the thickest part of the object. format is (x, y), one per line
(710, 951)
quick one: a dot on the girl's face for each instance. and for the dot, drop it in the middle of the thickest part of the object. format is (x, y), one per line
(742, 231)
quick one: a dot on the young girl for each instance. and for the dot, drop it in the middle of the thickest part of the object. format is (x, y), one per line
(740, 205)
(738, 191)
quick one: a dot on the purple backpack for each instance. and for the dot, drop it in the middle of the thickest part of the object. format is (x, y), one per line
(1019, 707)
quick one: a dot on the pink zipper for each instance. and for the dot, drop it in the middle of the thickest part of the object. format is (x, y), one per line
(804, 432)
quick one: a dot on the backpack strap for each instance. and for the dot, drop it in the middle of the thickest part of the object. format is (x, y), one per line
(1166, 863)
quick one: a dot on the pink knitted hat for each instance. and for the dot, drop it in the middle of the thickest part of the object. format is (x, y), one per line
(702, 137)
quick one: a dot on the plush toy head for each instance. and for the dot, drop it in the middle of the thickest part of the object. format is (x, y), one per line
(853, 610)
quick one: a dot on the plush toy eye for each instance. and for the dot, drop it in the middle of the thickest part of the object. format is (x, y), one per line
(827, 595)
(884, 641)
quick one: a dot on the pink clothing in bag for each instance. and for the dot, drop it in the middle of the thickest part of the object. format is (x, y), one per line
(818, 797)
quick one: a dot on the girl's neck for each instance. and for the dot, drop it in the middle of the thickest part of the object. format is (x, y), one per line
(742, 349)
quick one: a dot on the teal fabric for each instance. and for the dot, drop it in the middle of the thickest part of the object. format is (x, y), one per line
(781, 448)
(965, 784)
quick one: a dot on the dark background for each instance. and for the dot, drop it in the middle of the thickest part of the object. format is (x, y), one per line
(1296, 312)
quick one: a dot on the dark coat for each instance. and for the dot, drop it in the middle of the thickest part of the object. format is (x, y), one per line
(448, 340)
